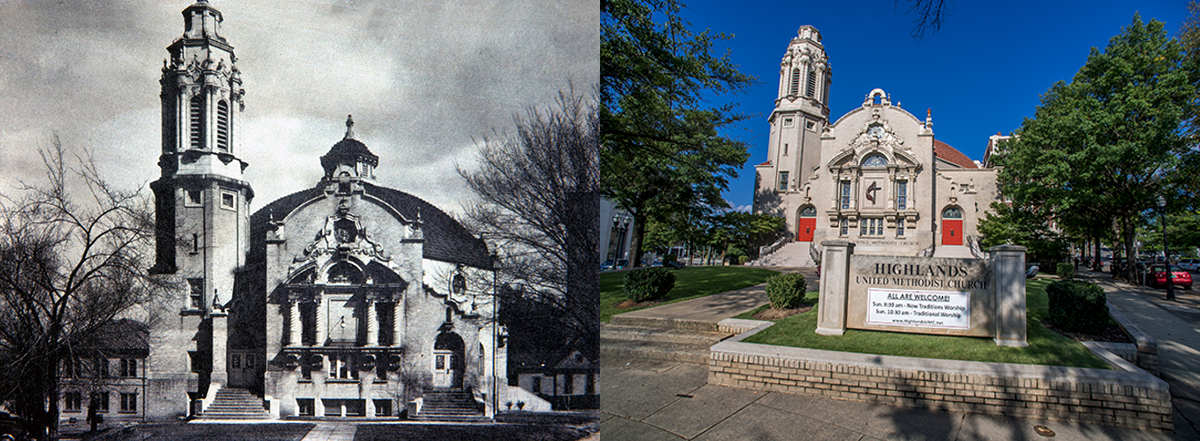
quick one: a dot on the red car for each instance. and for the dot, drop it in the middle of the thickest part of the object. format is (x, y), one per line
(1158, 276)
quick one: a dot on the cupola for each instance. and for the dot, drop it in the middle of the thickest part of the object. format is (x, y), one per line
(349, 158)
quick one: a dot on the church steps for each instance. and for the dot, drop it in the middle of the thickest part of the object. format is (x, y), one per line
(659, 339)
(234, 403)
(791, 255)
(449, 405)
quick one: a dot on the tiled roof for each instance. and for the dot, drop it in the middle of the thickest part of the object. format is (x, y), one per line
(122, 337)
(952, 155)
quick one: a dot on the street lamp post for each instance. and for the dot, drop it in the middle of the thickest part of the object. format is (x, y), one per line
(1162, 209)
(621, 224)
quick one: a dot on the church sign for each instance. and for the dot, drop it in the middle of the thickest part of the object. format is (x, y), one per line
(926, 295)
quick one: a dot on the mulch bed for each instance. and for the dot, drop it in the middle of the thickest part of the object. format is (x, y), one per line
(632, 304)
(1112, 334)
(776, 314)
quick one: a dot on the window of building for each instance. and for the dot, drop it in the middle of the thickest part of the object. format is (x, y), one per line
(568, 387)
(128, 403)
(537, 384)
(795, 88)
(196, 119)
(100, 367)
(952, 213)
(306, 406)
(811, 84)
(902, 195)
(100, 401)
(383, 408)
(845, 195)
(228, 200)
(810, 125)
(193, 198)
(783, 181)
(72, 402)
(341, 366)
(222, 126)
(129, 367)
(871, 226)
(875, 160)
(900, 227)
(788, 122)
(197, 296)
(235, 361)
(845, 227)
(785, 149)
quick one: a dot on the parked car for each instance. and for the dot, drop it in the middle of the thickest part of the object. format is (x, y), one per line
(13, 428)
(1190, 264)
(1159, 276)
(608, 265)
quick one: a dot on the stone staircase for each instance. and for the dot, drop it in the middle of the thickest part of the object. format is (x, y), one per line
(659, 339)
(456, 405)
(792, 254)
(239, 404)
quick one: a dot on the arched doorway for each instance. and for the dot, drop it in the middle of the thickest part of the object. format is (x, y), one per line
(952, 226)
(448, 361)
(807, 224)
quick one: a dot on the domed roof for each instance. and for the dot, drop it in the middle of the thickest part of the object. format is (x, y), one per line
(445, 239)
(348, 151)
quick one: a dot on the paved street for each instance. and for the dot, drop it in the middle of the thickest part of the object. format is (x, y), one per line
(661, 400)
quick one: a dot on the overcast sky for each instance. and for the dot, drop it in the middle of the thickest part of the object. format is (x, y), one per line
(424, 81)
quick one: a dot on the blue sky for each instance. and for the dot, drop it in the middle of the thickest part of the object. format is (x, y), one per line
(982, 73)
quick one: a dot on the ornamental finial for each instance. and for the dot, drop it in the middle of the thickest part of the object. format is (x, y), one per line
(349, 126)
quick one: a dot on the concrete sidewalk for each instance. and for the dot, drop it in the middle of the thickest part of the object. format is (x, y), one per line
(1178, 341)
(660, 400)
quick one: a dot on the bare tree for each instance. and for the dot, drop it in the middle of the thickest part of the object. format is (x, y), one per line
(929, 15)
(74, 253)
(540, 207)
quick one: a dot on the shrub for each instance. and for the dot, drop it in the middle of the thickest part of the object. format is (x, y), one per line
(743, 259)
(648, 283)
(1078, 306)
(785, 290)
(1065, 270)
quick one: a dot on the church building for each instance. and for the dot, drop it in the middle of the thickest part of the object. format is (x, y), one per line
(346, 299)
(875, 176)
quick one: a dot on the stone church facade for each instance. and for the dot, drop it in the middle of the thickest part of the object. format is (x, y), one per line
(875, 176)
(344, 299)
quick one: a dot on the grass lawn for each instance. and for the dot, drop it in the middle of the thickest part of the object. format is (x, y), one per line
(1045, 347)
(690, 283)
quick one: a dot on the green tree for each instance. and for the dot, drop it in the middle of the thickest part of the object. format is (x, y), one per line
(1026, 227)
(1110, 139)
(661, 147)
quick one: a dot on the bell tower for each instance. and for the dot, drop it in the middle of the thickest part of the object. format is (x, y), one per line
(201, 201)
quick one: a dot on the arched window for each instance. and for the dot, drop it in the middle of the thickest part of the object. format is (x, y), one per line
(196, 119)
(222, 126)
(952, 213)
(875, 160)
(808, 211)
(795, 89)
(811, 84)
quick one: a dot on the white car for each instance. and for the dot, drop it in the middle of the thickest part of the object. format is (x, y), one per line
(1192, 265)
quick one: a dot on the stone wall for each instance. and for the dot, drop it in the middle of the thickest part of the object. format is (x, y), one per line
(1125, 396)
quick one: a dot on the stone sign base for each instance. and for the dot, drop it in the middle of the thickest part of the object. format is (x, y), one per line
(1126, 396)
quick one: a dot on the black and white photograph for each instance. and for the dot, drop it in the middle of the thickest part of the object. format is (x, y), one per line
(299, 220)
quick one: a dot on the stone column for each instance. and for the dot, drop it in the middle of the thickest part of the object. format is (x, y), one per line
(1008, 284)
(220, 335)
(398, 322)
(320, 331)
(293, 323)
(835, 283)
(372, 324)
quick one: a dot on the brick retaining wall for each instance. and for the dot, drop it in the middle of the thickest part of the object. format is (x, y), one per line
(1125, 396)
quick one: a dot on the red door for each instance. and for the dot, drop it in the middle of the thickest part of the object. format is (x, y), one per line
(952, 232)
(807, 225)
